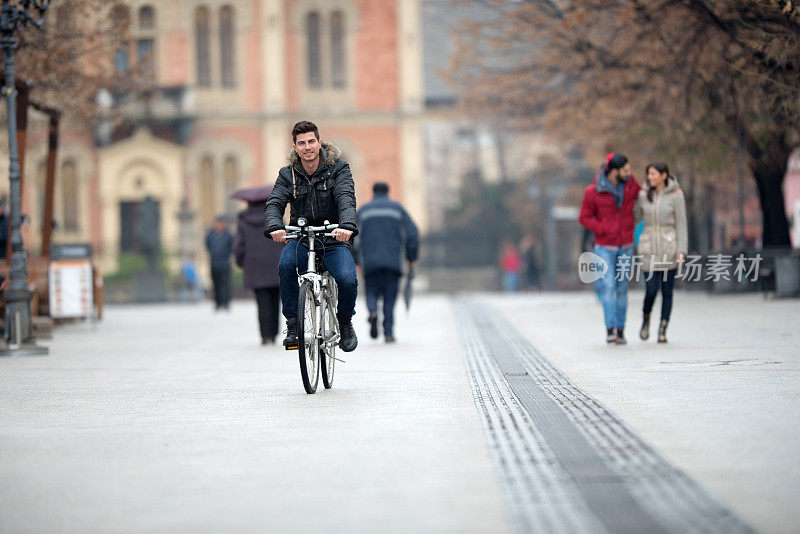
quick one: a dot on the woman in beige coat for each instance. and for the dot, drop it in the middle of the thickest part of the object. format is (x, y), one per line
(663, 243)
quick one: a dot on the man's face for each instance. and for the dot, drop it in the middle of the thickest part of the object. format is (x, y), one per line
(625, 173)
(307, 146)
(219, 226)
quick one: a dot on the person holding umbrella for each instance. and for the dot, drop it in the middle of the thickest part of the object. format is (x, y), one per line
(259, 258)
(385, 228)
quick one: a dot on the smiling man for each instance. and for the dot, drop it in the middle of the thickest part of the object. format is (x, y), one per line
(607, 211)
(319, 187)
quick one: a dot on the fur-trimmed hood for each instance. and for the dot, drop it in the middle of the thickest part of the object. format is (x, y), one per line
(329, 152)
(327, 195)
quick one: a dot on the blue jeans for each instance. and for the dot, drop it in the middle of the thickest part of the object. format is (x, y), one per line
(612, 288)
(382, 283)
(338, 261)
(510, 281)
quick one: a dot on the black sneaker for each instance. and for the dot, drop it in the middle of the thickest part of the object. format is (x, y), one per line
(291, 341)
(348, 341)
(611, 335)
(621, 337)
(373, 325)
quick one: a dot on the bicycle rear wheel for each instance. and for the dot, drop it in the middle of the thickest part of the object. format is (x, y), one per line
(308, 342)
(330, 327)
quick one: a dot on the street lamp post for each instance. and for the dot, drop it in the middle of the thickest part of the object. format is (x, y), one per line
(19, 327)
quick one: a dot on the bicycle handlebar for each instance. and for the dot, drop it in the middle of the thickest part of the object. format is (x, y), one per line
(311, 229)
(298, 231)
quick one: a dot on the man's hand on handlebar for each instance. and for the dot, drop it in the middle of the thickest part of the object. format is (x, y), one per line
(341, 234)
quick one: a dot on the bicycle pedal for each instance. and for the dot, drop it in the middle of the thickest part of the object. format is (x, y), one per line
(291, 348)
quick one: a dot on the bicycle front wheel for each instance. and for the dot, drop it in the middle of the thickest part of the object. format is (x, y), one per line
(308, 341)
(330, 329)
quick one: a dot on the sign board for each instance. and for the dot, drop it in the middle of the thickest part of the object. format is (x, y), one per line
(71, 252)
(565, 213)
(71, 289)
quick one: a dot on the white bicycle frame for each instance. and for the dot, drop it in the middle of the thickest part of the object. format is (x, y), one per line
(319, 282)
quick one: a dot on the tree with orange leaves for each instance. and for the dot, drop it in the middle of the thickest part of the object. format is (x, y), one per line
(71, 57)
(690, 74)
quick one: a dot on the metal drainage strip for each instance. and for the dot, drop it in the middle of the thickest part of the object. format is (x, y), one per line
(601, 489)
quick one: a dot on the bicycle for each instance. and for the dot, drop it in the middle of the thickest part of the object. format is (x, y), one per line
(317, 326)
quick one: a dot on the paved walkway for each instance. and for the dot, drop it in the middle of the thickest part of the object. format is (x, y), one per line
(173, 419)
(721, 400)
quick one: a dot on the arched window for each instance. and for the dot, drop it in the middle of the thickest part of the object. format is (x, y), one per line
(314, 59)
(227, 45)
(121, 20)
(230, 182)
(145, 55)
(326, 47)
(69, 195)
(338, 63)
(201, 35)
(145, 42)
(208, 194)
(121, 60)
(147, 18)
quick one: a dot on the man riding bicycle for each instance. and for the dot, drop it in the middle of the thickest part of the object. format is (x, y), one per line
(319, 187)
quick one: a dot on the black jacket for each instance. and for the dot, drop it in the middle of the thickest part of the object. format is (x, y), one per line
(220, 246)
(255, 254)
(329, 194)
(386, 229)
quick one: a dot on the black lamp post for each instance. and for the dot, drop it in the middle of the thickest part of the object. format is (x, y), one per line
(19, 325)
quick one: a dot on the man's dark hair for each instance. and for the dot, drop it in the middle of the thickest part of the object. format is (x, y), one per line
(616, 162)
(380, 188)
(304, 127)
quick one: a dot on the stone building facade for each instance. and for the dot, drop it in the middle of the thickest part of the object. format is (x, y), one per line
(229, 78)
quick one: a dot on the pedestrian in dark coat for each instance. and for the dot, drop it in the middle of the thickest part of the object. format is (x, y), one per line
(387, 235)
(258, 256)
(219, 242)
(527, 250)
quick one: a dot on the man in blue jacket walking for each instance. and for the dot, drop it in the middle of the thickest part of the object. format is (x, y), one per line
(219, 242)
(386, 231)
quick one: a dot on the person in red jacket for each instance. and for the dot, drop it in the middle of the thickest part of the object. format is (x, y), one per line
(607, 212)
(511, 264)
